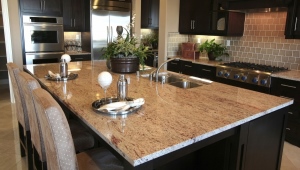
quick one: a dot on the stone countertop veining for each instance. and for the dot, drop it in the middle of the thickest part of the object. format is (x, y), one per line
(171, 118)
(78, 53)
(290, 75)
(201, 60)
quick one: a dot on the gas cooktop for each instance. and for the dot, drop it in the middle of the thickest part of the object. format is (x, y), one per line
(251, 73)
(253, 66)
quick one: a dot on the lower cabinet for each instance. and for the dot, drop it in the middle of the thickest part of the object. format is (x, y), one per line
(207, 72)
(82, 57)
(174, 66)
(289, 89)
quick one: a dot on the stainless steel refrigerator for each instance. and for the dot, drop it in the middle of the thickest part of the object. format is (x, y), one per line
(105, 17)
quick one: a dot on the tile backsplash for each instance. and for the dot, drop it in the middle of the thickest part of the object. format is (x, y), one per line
(263, 42)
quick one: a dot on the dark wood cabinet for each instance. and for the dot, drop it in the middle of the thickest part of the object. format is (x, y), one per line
(292, 27)
(174, 66)
(206, 18)
(187, 68)
(252, 4)
(41, 7)
(74, 15)
(81, 57)
(150, 14)
(289, 89)
(207, 72)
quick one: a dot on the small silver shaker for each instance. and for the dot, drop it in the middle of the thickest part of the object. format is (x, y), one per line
(122, 87)
(63, 67)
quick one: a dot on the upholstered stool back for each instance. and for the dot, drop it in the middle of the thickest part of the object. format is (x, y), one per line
(22, 116)
(59, 146)
(29, 84)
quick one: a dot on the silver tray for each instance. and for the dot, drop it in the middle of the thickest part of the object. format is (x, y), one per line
(71, 76)
(98, 103)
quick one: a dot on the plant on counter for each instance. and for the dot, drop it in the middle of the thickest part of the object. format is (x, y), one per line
(151, 40)
(126, 50)
(213, 49)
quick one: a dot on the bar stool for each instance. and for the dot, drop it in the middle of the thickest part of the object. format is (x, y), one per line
(82, 139)
(59, 146)
(22, 116)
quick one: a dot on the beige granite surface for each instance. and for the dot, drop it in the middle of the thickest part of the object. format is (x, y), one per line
(290, 75)
(200, 60)
(171, 117)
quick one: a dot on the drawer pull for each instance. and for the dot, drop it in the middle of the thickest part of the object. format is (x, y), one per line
(187, 66)
(287, 128)
(288, 86)
(78, 58)
(206, 70)
(174, 63)
(290, 113)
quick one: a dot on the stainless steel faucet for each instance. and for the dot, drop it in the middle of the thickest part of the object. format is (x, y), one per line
(157, 70)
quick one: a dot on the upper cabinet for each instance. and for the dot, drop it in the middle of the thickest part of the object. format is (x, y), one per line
(253, 4)
(206, 18)
(42, 7)
(292, 27)
(74, 15)
(150, 14)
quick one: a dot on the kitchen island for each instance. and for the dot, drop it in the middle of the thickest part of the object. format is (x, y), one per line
(243, 129)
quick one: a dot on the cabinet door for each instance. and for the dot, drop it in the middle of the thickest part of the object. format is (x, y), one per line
(53, 7)
(174, 66)
(67, 15)
(150, 14)
(31, 6)
(186, 19)
(187, 68)
(207, 72)
(292, 28)
(74, 15)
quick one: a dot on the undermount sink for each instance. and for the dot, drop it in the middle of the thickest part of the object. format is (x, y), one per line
(177, 82)
(184, 84)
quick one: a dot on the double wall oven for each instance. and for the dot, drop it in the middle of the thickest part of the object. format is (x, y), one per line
(43, 39)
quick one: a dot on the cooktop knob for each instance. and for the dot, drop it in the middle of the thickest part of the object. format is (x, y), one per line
(220, 73)
(255, 80)
(227, 75)
(263, 82)
(244, 78)
(236, 76)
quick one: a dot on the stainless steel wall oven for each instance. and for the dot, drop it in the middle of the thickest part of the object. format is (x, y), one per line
(43, 39)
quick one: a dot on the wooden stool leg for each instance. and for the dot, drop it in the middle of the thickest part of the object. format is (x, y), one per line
(22, 140)
(29, 150)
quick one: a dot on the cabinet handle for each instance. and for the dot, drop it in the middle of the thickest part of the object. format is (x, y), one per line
(174, 63)
(191, 24)
(290, 113)
(294, 87)
(71, 23)
(287, 128)
(206, 70)
(295, 28)
(74, 23)
(188, 66)
(44, 5)
(41, 5)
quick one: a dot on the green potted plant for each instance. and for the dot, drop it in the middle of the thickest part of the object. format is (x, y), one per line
(213, 49)
(151, 40)
(124, 54)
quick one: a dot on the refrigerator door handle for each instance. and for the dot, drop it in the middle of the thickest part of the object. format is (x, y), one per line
(108, 34)
(112, 32)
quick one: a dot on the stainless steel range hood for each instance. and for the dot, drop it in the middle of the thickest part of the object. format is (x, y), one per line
(111, 5)
(257, 5)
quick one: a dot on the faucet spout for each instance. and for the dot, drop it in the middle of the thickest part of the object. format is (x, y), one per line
(157, 70)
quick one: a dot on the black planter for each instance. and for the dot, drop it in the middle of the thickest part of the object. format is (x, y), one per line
(124, 65)
(211, 56)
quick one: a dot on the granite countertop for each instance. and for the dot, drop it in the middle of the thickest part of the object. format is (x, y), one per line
(170, 119)
(201, 60)
(290, 75)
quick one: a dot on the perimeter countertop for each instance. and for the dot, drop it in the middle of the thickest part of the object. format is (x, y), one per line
(171, 118)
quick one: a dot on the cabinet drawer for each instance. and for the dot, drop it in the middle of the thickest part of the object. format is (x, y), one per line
(285, 88)
(187, 68)
(293, 133)
(207, 72)
(294, 113)
(80, 57)
(174, 66)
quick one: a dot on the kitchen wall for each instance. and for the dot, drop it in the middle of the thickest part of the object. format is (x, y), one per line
(263, 42)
